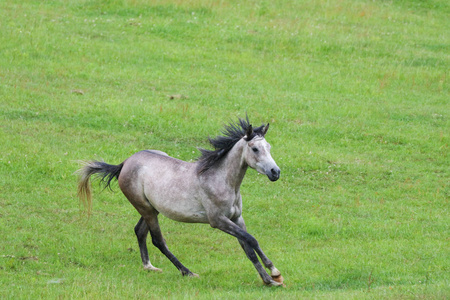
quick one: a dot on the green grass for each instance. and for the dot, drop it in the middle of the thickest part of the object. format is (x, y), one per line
(357, 96)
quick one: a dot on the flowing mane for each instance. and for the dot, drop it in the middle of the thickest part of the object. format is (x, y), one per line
(232, 133)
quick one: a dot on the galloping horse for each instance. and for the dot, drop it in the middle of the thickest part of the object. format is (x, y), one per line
(204, 191)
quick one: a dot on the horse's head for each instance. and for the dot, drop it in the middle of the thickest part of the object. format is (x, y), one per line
(257, 153)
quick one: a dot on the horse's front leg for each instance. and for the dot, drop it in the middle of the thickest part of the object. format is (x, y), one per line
(274, 272)
(249, 244)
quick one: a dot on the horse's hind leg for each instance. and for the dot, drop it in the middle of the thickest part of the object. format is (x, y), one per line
(160, 243)
(141, 230)
(148, 222)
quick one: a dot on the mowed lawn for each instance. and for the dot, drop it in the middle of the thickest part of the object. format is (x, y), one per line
(357, 96)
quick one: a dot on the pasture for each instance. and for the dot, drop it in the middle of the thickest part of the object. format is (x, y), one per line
(357, 96)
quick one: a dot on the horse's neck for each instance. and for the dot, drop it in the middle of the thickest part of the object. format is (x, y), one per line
(234, 165)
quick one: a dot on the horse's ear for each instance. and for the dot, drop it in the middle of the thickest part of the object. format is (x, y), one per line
(264, 131)
(249, 133)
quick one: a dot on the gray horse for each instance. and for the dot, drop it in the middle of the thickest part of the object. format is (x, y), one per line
(204, 191)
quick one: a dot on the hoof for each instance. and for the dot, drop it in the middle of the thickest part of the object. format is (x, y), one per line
(274, 272)
(279, 279)
(189, 274)
(152, 268)
(275, 281)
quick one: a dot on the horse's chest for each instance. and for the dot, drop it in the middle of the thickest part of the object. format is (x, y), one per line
(235, 212)
(235, 209)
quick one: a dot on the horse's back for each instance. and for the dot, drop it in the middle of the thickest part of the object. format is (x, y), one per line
(155, 165)
(156, 152)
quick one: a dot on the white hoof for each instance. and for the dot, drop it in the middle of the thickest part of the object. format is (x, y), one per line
(149, 267)
(274, 283)
(274, 272)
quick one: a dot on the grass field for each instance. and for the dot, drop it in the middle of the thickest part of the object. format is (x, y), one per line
(357, 95)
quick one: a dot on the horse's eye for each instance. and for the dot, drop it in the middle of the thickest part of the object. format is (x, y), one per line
(255, 149)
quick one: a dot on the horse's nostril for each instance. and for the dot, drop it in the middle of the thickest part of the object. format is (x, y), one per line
(274, 174)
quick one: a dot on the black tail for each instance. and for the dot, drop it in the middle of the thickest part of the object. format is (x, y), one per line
(104, 171)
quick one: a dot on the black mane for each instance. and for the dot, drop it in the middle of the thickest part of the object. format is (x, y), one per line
(232, 133)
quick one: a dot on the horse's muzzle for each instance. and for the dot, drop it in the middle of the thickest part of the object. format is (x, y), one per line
(274, 174)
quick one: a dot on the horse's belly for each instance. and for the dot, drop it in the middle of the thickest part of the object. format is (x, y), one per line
(179, 205)
(174, 194)
(183, 212)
